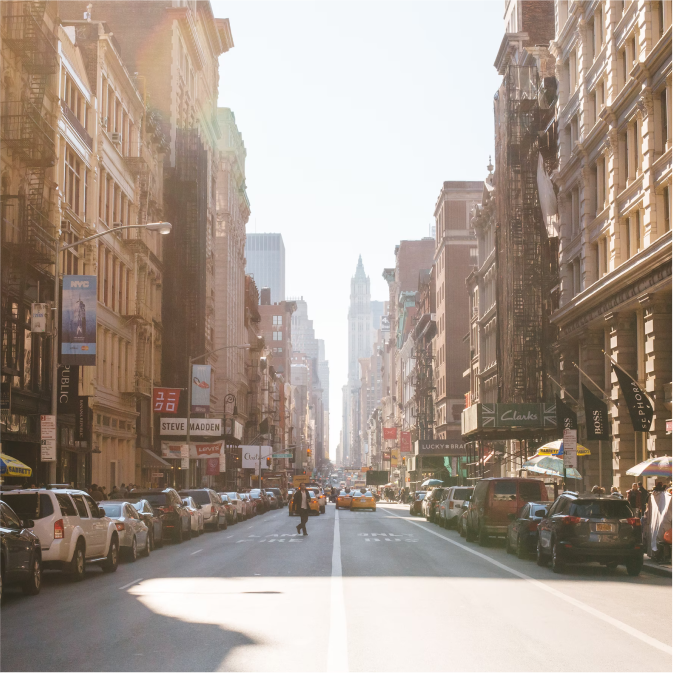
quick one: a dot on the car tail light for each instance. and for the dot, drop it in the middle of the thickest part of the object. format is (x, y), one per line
(119, 526)
(168, 508)
(634, 521)
(532, 526)
(571, 519)
(450, 504)
(212, 509)
(59, 529)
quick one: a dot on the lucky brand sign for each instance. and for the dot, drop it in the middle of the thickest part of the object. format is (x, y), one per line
(78, 321)
(199, 427)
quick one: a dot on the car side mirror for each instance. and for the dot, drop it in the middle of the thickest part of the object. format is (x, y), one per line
(101, 513)
(541, 513)
(28, 523)
(511, 517)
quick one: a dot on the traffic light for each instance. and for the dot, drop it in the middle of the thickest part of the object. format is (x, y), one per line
(308, 452)
(268, 461)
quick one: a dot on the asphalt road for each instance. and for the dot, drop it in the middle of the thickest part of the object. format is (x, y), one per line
(363, 592)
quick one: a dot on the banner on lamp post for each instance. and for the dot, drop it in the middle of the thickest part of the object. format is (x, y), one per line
(389, 433)
(78, 321)
(200, 389)
(405, 441)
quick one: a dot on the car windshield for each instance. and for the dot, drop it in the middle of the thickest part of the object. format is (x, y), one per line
(420, 496)
(462, 493)
(110, 510)
(156, 499)
(601, 509)
(29, 505)
(202, 497)
(344, 493)
(311, 493)
(255, 493)
(233, 496)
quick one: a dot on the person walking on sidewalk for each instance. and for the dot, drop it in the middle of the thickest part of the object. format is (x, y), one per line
(300, 502)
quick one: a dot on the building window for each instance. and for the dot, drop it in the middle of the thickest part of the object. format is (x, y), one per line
(664, 118)
(667, 212)
(73, 167)
(278, 320)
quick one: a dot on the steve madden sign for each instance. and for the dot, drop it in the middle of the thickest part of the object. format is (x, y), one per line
(199, 427)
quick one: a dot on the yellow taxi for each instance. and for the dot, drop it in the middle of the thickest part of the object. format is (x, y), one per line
(363, 500)
(313, 506)
(344, 500)
(319, 495)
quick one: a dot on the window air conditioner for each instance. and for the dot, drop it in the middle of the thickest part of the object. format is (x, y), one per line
(116, 138)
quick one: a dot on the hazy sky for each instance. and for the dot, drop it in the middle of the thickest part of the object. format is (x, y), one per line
(353, 114)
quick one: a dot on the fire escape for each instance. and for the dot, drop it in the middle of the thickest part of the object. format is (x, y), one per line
(24, 131)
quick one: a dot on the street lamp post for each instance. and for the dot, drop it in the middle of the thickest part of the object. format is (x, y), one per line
(162, 227)
(190, 362)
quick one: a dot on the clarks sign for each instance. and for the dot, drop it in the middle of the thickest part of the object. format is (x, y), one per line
(492, 416)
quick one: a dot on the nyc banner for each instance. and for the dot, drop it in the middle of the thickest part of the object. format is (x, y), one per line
(200, 389)
(78, 321)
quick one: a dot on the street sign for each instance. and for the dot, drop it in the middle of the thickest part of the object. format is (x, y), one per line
(48, 438)
(569, 448)
(282, 455)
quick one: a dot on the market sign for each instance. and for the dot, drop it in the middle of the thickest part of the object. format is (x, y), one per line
(203, 427)
(492, 416)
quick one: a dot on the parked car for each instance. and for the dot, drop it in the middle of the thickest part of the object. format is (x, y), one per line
(195, 513)
(230, 509)
(449, 507)
(237, 502)
(431, 502)
(416, 504)
(153, 520)
(175, 518)
(250, 505)
(522, 530)
(273, 500)
(72, 529)
(214, 511)
(134, 534)
(581, 528)
(21, 552)
(261, 501)
(494, 499)
(282, 501)
(462, 518)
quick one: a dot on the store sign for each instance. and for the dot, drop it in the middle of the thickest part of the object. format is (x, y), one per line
(389, 433)
(201, 427)
(201, 389)
(48, 438)
(6, 396)
(68, 389)
(82, 419)
(386, 455)
(251, 456)
(39, 318)
(485, 416)
(451, 446)
(196, 450)
(165, 400)
(405, 442)
(78, 321)
(213, 466)
(394, 457)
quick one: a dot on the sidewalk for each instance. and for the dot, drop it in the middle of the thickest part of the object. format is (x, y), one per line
(653, 568)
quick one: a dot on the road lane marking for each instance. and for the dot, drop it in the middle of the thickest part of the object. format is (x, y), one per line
(653, 642)
(337, 648)
(130, 584)
(196, 552)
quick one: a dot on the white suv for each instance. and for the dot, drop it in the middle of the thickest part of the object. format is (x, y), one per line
(450, 506)
(73, 530)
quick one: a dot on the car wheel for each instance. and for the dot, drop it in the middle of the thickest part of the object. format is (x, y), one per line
(148, 546)
(133, 551)
(634, 566)
(177, 533)
(540, 558)
(521, 551)
(508, 547)
(78, 564)
(483, 537)
(557, 564)
(612, 565)
(112, 560)
(150, 538)
(32, 586)
(225, 525)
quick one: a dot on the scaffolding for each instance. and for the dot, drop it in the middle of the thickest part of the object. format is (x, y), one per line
(523, 251)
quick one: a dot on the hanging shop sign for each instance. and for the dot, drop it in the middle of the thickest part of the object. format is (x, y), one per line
(405, 442)
(195, 450)
(502, 417)
(389, 433)
(82, 419)
(565, 416)
(640, 409)
(201, 427)
(596, 414)
(165, 400)
(213, 466)
(233, 428)
(394, 457)
(68, 389)
(39, 318)
(78, 321)
(200, 389)
(48, 438)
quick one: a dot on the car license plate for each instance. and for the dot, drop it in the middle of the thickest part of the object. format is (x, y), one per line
(604, 528)
(363, 500)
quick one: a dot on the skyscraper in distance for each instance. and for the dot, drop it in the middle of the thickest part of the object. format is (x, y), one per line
(265, 262)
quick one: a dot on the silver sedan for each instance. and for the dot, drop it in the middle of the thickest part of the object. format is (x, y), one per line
(133, 533)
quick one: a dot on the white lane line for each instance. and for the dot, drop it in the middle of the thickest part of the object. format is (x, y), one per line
(196, 552)
(652, 642)
(130, 584)
(337, 648)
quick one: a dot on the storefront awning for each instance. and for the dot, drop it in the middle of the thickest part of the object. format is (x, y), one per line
(150, 459)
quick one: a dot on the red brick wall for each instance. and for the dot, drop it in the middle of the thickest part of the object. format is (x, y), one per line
(538, 21)
(413, 256)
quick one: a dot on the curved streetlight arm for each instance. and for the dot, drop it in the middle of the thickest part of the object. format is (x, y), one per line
(215, 350)
(67, 246)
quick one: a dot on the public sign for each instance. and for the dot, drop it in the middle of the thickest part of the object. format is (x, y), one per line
(200, 389)
(251, 456)
(405, 442)
(78, 321)
(596, 414)
(68, 389)
(48, 438)
(166, 400)
(201, 427)
(39, 317)
(569, 448)
(6, 396)
(282, 455)
(640, 409)
(184, 456)
(389, 433)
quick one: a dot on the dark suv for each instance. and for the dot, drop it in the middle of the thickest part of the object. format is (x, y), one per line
(432, 501)
(176, 520)
(580, 528)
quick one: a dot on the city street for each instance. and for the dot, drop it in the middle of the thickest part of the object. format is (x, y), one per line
(363, 592)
